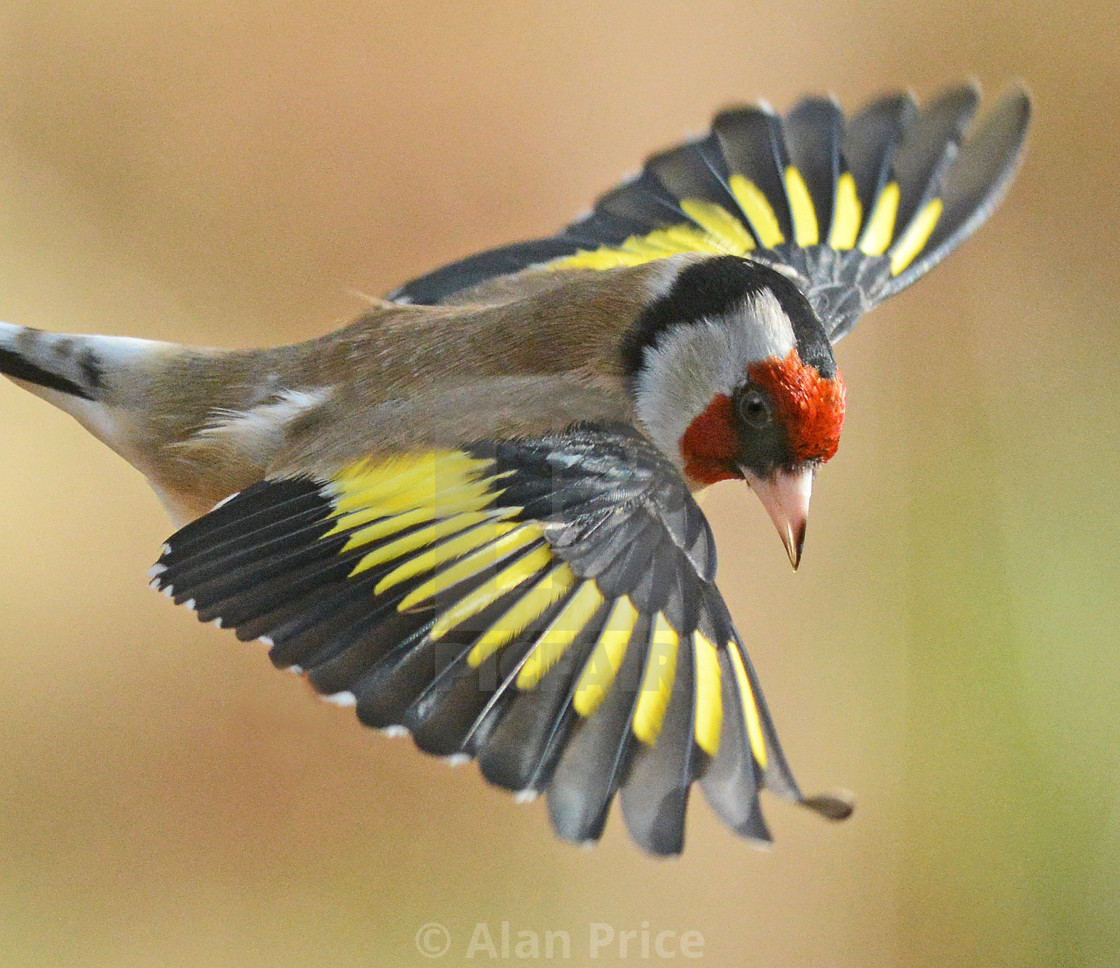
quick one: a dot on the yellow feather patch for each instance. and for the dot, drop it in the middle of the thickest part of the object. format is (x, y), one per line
(367, 491)
(368, 475)
(657, 683)
(806, 231)
(489, 592)
(463, 498)
(638, 249)
(750, 710)
(915, 237)
(493, 541)
(422, 537)
(880, 225)
(601, 258)
(678, 238)
(723, 227)
(529, 607)
(847, 215)
(602, 666)
(757, 209)
(444, 552)
(716, 231)
(554, 641)
(709, 702)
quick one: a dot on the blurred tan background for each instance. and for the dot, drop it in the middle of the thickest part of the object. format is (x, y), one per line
(231, 173)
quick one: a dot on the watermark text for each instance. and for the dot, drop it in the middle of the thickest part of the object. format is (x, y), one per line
(506, 941)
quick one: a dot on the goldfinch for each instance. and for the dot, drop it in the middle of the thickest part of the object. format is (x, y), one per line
(470, 512)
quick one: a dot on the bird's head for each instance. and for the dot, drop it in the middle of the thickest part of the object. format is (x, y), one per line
(733, 377)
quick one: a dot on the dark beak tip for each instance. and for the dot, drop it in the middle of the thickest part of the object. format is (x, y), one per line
(796, 546)
(786, 499)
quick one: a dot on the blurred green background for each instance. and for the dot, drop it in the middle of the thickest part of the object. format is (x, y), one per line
(231, 173)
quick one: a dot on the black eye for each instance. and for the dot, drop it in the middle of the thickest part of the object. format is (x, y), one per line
(754, 408)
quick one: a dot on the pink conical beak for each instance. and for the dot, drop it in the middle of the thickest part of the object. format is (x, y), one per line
(785, 496)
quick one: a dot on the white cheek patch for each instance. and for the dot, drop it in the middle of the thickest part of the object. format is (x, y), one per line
(693, 362)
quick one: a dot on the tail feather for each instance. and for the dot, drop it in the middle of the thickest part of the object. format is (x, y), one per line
(97, 380)
(104, 383)
(66, 364)
(198, 423)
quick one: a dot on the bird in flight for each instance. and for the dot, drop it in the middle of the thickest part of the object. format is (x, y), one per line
(469, 513)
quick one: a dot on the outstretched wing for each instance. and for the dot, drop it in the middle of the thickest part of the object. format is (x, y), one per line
(546, 606)
(855, 210)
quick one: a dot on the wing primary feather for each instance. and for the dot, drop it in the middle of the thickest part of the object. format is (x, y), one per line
(521, 570)
(657, 682)
(443, 716)
(812, 133)
(853, 211)
(928, 147)
(631, 562)
(732, 779)
(756, 159)
(654, 797)
(520, 751)
(974, 184)
(869, 144)
(561, 624)
(592, 766)
(505, 544)
(658, 579)
(275, 500)
(553, 587)
(467, 549)
(287, 532)
(709, 703)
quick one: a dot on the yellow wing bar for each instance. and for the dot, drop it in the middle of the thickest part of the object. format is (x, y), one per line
(435, 520)
(713, 229)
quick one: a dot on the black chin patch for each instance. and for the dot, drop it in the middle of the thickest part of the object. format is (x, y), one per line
(762, 449)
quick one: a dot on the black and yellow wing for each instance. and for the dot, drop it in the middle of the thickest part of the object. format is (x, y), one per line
(854, 209)
(546, 606)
